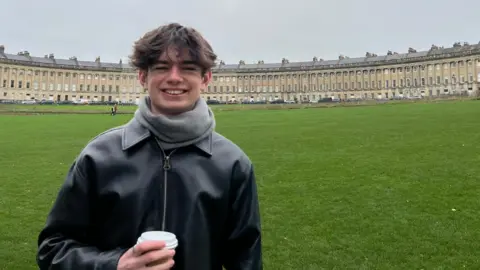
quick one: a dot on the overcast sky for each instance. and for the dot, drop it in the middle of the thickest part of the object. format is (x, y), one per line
(247, 30)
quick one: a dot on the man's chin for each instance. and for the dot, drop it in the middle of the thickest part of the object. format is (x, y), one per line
(174, 107)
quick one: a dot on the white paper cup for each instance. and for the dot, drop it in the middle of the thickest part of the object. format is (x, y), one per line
(169, 238)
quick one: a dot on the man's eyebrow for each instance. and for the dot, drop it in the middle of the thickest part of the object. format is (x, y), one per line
(187, 62)
(161, 63)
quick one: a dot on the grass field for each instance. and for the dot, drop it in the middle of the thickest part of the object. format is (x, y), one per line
(96, 109)
(105, 109)
(375, 187)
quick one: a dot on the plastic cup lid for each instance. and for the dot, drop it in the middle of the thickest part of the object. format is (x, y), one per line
(172, 245)
(159, 235)
(169, 238)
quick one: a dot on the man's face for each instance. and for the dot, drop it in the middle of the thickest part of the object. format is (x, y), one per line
(174, 83)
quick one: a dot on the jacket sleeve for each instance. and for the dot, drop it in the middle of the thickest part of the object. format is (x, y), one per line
(244, 243)
(63, 242)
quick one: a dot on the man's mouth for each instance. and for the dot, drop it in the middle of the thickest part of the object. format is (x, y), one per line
(174, 92)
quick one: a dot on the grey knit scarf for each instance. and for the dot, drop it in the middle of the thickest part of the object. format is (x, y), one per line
(173, 131)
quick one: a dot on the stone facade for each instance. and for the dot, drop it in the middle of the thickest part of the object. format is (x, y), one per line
(438, 71)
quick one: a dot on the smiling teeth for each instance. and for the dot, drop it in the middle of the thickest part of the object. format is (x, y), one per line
(174, 92)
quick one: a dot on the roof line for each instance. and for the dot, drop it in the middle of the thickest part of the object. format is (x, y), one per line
(370, 59)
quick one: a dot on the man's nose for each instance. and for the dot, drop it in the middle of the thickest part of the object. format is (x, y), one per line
(174, 75)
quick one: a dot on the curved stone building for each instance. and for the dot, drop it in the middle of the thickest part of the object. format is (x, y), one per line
(438, 71)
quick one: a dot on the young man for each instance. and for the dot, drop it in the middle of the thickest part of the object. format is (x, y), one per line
(164, 170)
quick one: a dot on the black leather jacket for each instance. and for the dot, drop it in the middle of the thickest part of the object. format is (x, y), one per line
(123, 184)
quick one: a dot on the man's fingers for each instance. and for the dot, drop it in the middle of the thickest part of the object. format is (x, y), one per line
(162, 266)
(157, 257)
(135, 252)
(147, 246)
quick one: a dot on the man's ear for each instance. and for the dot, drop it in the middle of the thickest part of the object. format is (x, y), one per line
(142, 78)
(207, 78)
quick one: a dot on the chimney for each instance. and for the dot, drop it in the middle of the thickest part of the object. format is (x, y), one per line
(97, 59)
(2, 49)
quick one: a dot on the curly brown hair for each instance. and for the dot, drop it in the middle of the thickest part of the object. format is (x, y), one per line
(148, 49)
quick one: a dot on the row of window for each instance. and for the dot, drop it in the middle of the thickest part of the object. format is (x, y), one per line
(132, 77)
(261, 77)
(429, 67)
(67, 87)
(453, 77)
(52, 74)
(333, 78)
(346, 85)
(221, 89)
(358, 80)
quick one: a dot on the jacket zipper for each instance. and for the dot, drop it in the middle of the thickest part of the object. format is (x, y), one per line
(166, 167)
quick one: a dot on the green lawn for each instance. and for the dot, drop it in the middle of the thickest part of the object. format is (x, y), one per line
(374, 187)
(130, 109)
(105, 109)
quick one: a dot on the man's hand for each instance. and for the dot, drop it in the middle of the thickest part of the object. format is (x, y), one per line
(147, 255)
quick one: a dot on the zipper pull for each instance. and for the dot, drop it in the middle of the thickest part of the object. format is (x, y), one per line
(166, 163)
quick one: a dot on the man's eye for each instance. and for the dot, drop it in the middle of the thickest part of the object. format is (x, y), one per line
(160, 68)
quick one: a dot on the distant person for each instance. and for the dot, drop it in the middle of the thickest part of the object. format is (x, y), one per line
(113, 109)
(165, 170)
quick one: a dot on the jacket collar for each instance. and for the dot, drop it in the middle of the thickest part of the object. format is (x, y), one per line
(134, 133)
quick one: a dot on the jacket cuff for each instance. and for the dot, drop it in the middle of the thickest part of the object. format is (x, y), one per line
(109, 259)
